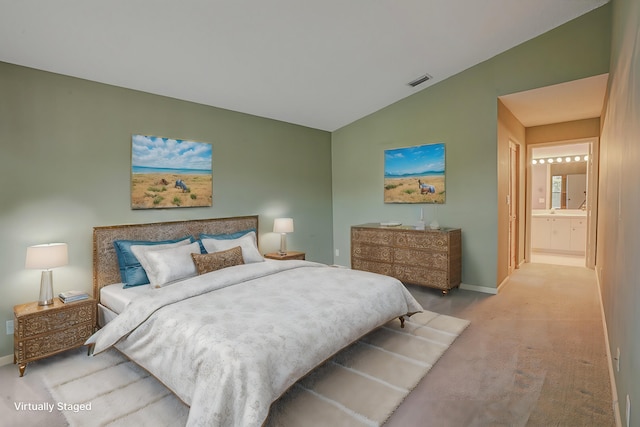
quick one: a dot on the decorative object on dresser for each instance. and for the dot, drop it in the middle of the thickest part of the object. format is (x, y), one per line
(283, 226)
(420, 224)
(287, 255)
(45, 257)
(434, 225)
(431, 258)
(42, 331)
(71, 296)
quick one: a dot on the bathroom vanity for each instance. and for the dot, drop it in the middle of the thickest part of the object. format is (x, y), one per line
(561, 231)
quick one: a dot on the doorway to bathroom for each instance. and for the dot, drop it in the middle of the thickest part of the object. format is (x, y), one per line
(562, 202)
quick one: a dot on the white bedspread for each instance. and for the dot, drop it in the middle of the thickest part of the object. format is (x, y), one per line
(230, 342)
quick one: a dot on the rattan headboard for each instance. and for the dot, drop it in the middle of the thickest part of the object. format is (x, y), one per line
(105, 262)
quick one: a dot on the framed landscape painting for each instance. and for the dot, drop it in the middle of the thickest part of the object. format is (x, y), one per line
(170, 173)
(415, 174)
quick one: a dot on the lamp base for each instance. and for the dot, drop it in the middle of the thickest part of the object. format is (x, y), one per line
(46, 288)
(283, 244)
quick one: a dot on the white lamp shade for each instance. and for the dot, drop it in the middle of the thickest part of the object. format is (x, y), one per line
(283, 225)
(47, 256)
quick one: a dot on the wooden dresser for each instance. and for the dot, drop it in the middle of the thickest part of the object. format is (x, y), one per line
(428, 257)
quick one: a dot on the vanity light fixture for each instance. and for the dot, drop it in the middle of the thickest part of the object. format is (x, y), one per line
(567, 159)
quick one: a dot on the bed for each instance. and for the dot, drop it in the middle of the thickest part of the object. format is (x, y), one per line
(230, 341)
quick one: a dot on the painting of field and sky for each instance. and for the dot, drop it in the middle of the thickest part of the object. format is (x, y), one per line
(170, 173)
(415, 174)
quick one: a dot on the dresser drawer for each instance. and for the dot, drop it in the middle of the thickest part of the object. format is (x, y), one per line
(373, 267)
(426, 240)
(37, 347)
(376, 237)
(420, 276)
(372, 252)
(32, 325)
(422, 259)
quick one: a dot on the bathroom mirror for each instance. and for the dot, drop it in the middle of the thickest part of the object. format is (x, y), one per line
(559, 182)
(568, 185)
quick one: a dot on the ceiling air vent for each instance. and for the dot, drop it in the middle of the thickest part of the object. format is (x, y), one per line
(419, 80)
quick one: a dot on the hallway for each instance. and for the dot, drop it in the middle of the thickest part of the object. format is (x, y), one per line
(534, 355)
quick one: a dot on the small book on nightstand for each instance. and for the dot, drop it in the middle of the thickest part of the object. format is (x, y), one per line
(71, 296)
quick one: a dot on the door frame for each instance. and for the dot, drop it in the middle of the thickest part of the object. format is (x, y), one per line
(513, 200)
(592, 196)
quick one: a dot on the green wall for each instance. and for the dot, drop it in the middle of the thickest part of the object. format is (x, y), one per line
(461, 112)
(66, 161)
(618, 249)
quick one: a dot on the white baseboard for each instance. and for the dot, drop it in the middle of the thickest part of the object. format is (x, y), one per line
(5, 360)
(612, 375)
(476, 288)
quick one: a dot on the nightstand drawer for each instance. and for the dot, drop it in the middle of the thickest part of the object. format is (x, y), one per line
(31, 325)
(35, 348)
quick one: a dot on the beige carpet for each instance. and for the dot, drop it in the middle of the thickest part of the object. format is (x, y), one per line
(360, 386)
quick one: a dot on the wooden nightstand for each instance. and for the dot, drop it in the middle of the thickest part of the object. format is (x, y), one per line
(289, 255)
(42, 331)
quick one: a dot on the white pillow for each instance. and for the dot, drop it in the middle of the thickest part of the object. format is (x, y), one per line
(140, 251)
(168, 265)
(248, 243)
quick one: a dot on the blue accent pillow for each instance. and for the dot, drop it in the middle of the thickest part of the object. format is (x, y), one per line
(131, 272)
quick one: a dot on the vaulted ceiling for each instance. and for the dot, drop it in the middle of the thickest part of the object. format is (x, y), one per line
(321, 64)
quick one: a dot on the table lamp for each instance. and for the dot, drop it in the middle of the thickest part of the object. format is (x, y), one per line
(46, 257)
(283, 226)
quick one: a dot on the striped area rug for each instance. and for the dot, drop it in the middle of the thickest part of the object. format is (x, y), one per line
(360, 386)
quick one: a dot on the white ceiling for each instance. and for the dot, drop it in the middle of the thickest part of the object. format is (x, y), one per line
(322, 64)
(576, 100)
